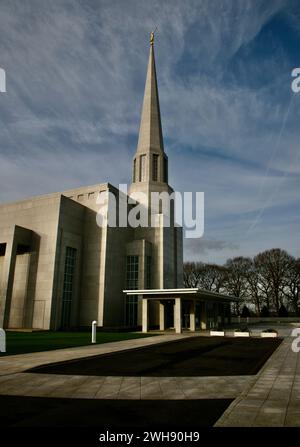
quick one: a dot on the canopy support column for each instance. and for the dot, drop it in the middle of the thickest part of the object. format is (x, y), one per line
(144, 315)
(161, 316)
(177, 316)
(193, 316)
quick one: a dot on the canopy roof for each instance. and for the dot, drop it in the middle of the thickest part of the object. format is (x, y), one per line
(195, 293)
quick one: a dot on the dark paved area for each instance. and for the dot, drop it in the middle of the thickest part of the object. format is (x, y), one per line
(196, 356)
(53, 412)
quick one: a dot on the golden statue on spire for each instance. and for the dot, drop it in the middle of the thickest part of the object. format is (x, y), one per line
(152, 38)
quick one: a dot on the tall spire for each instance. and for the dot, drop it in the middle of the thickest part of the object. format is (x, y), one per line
(150, 134)
(150, 163)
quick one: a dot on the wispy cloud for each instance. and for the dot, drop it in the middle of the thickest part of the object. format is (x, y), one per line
(75, 77)
(200, 247)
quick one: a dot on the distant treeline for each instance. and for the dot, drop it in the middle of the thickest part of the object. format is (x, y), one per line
(268, 283)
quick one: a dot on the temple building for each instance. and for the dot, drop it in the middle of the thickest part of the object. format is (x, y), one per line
(60, 270)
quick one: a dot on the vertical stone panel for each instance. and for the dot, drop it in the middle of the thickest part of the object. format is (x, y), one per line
(19, 292)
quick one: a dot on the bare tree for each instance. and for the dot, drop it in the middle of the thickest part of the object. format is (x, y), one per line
(271, 279)
(236, 279)
(212, 277)
(205, 276)
(263, 283)
(255, 295)
(191, 274)
(291, 288)
(272, 266)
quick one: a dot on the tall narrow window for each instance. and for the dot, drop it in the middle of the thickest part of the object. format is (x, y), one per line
(155, 159)
(165, 170)
(132, 282)
(68, 286)
(132, 310)
(134, 170)
(148, 272)
(132, 272)
(142, 168)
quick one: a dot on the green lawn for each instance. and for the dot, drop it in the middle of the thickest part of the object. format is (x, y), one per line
(24, 342)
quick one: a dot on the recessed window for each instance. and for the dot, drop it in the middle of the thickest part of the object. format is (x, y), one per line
(68, 286)
(132, 310)
(91, 195)
(155, 159)
(165, 170)
(80, 197)
(132, 282)
(132, 272)
(148, 272)
(134, 170)
(2, 249)
(142, 168)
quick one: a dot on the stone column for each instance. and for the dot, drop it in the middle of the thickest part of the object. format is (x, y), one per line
(144, 315)
(177, 316)
(161, 316)
(193, 316)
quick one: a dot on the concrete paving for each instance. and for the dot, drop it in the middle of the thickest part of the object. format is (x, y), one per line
(15, 382)
(91, 387)
(273, 398)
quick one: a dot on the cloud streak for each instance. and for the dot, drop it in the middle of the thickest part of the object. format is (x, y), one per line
(75, 78)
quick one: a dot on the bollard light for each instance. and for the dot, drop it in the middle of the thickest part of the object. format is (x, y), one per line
(94, 328)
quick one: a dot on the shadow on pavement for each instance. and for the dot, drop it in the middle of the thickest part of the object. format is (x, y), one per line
(193, 357)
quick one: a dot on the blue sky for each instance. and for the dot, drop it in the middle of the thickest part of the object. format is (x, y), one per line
(75, 77)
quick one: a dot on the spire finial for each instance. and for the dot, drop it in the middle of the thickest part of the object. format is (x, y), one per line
(152, 38)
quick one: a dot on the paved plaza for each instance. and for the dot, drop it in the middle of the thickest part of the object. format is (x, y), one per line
(273, 398)
(14, 381)
(269, 398)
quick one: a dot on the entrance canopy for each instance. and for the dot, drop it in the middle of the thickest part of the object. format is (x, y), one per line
(192, 295)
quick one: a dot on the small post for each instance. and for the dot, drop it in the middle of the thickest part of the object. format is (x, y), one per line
(2, 81)
(94, 328)
(2, 340)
